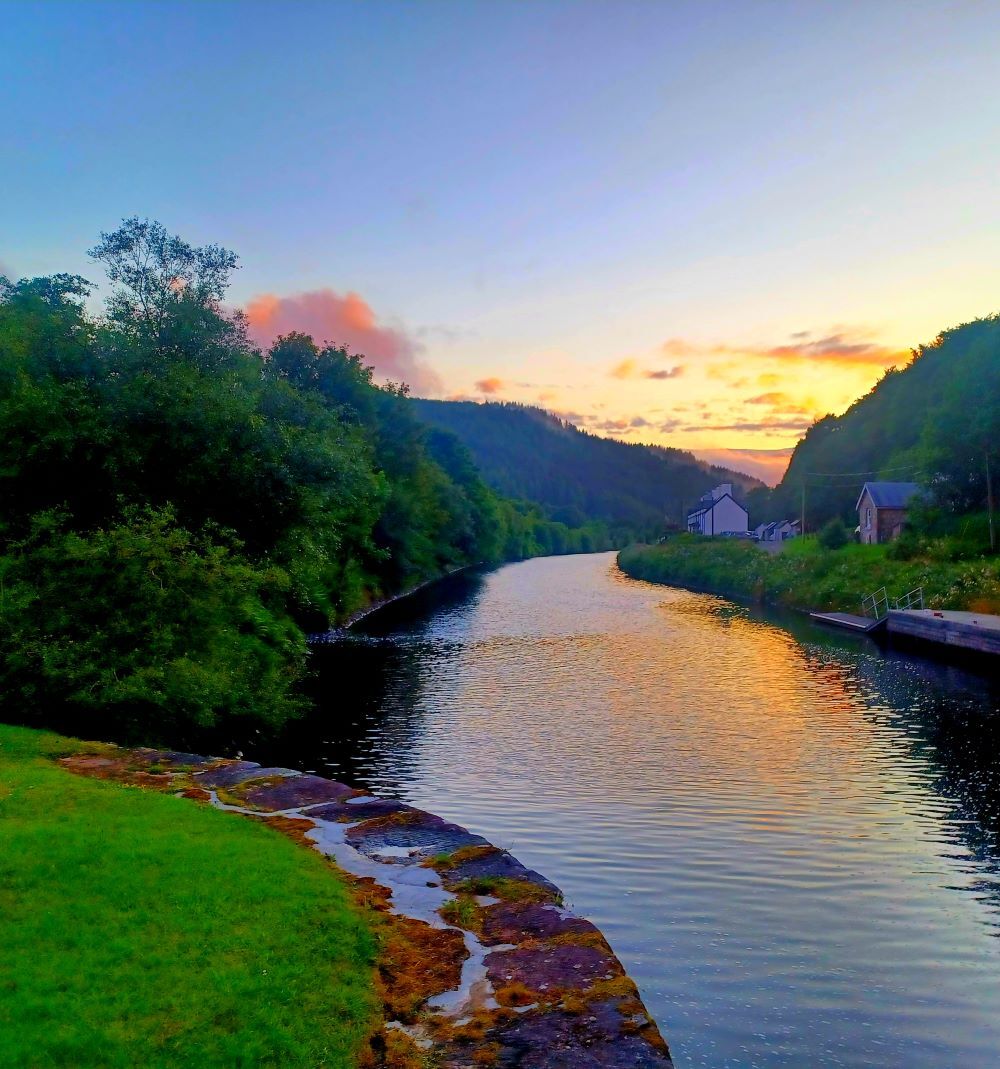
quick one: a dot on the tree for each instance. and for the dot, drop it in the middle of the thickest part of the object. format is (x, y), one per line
(160, 280)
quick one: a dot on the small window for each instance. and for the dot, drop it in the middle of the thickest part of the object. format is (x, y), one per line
(868, 517)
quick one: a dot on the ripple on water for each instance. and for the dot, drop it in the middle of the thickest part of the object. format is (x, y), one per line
(790, 839)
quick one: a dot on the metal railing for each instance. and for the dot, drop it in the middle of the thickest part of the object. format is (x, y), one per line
(876, 604)
(913, 600)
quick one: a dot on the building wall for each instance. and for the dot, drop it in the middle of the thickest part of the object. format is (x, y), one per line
(889, 523)
(728, 517)
(882, 525)
(868, 519)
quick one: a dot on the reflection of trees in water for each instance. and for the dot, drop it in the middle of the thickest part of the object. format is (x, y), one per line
(352, 712)
(949, 717)
(364, 693)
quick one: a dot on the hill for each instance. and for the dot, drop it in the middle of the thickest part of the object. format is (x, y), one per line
(528, 453)
(935, 421)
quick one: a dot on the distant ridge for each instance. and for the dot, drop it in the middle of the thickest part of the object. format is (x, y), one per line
(528, 453)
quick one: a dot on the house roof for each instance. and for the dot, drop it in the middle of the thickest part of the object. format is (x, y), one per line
(718, 501)
(889, 495)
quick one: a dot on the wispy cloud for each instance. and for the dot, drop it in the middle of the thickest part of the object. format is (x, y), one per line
(843, 346)
(627, 369)
(631, 369)
(750, 426)
(343, 320)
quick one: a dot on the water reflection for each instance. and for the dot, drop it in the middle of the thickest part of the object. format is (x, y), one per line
(789, 837)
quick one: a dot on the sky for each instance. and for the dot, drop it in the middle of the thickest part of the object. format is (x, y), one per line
(700, 225)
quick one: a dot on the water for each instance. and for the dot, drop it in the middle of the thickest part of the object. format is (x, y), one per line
(789, 838)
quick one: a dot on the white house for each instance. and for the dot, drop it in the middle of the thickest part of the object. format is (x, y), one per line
(718, 513)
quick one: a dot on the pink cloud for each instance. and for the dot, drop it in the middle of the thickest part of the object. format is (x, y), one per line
(343, 320)
(489, 385)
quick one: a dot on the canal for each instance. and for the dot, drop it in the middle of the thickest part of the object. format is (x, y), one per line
(788, 835)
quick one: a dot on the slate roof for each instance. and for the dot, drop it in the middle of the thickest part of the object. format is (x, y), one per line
(889, 495)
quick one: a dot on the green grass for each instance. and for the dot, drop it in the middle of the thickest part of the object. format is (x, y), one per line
(140, 929)
(804, 575)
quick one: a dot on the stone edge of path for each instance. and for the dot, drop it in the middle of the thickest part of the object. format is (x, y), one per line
(509, 977)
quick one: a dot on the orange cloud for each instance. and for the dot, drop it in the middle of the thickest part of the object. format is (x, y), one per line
(839, 348)
(343, 320)
(490, 385)
(625, 370)
(629, 369)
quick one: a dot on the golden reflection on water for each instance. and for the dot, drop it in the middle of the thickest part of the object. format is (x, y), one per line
(754, 817)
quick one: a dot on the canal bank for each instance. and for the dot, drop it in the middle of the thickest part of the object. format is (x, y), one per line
(481, 963)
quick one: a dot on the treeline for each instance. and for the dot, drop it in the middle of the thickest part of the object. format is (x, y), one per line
(526, 452)
(177, 509)
(935, 421)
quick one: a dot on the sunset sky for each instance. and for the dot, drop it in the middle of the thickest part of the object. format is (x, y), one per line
(695, 224)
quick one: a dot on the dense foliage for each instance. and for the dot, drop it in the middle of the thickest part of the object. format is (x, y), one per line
(935, 422)
(528, 453)
(178, 508)
(804, 575)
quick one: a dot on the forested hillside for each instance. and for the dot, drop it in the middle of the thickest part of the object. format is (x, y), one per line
(177, 508)
(528, 453)
(935, 421)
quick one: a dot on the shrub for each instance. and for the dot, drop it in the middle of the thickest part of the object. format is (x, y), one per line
(834, 534)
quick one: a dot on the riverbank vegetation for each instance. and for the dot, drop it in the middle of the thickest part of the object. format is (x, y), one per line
(807, 575)
(137, 928)
(179, 508)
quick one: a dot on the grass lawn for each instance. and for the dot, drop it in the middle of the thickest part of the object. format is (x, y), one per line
(140, 929)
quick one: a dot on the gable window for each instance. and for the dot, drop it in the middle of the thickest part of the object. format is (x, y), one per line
(868, 517)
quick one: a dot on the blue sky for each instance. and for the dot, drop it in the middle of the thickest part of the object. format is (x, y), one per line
(537, 194)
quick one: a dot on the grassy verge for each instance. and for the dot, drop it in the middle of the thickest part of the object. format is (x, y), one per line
(140, 929)
(807, 576)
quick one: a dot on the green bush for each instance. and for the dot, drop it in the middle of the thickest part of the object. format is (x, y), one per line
(143, 630)
(834, 534)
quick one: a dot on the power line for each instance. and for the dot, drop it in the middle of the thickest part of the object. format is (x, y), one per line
(877, 471)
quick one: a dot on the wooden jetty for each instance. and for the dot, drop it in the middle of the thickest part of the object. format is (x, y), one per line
(849, 622)
(975, 631)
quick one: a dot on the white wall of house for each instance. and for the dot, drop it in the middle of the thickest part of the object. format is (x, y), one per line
(724, 517)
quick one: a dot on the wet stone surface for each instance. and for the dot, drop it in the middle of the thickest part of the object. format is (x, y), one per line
(349, 811)
(592, 1040)
(422, 834)
(496, 865)
(524, 983)
(295, 792)
(514, 922)
(552, 967)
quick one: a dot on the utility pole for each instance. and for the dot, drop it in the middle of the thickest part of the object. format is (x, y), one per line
(802, 521)
(989, 503)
